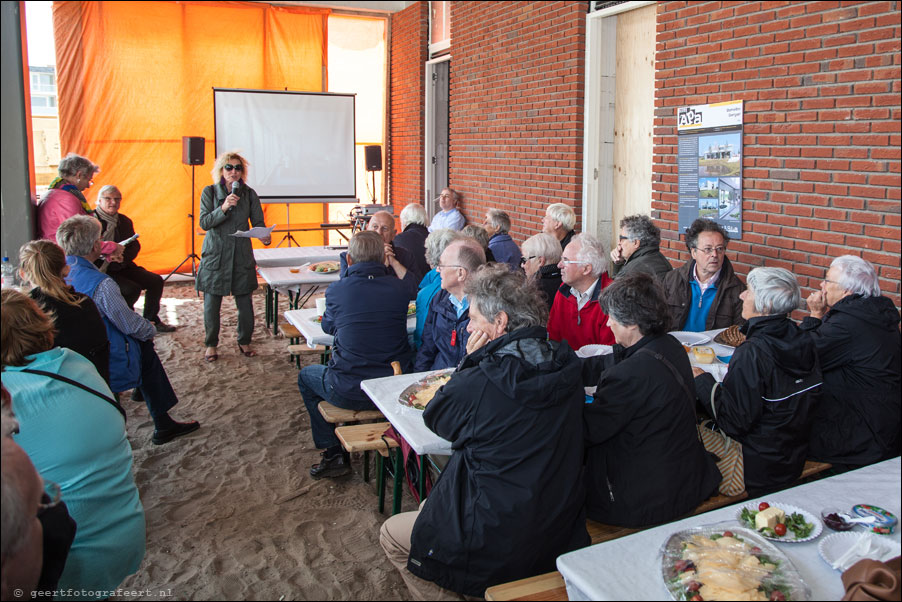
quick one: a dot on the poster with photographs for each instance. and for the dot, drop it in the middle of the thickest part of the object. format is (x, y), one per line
(709, 141)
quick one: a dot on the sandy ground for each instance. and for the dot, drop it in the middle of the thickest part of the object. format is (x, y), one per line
(232, 512)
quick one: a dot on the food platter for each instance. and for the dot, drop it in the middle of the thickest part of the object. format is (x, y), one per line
(729, 337)
(419, 394)
(717, 562)
(324, 267)
(790, 536)
(690, 338)
(411, 308)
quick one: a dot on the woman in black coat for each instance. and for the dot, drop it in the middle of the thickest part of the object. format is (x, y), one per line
(79, 326)
(645, 462)
(510, 500)
(541, 254)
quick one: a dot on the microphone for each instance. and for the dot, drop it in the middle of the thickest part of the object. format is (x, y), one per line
(235, 186)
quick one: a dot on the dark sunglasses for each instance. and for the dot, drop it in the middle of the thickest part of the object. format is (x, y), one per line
(230, 167)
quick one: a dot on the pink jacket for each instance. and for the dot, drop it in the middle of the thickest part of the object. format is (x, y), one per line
(56, 207)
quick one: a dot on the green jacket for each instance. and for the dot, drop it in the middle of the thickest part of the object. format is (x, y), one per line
(227, 264)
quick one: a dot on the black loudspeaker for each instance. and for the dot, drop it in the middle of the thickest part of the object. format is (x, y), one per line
(373, 157)
(192, 150)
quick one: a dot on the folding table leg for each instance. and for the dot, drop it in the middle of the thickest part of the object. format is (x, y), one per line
(422, 483)
(399, 477)
(380, 481)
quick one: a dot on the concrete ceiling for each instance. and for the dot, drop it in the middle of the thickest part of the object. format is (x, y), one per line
(352, 5)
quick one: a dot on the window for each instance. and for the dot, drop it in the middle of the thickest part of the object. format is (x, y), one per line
(439, 26)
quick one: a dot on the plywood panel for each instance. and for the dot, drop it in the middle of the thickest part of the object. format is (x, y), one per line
(633, 114)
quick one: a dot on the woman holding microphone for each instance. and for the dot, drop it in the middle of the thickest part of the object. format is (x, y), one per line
(227, 264)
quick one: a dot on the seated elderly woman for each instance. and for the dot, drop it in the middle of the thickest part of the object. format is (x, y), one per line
(642, 418)
(768, 396)
(856, 332)
(73, 431)
(79, 325)
(436, 243)
(504, 249)
(541, 254)
(511, 497)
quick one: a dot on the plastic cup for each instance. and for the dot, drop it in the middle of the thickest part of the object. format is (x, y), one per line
(320, 306)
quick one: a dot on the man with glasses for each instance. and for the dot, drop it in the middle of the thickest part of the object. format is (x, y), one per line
(576, 317)
(703, 294)
(445, 333)
(639, 248)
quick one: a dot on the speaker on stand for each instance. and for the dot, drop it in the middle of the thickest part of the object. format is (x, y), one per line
(193, 155)
(373, 157)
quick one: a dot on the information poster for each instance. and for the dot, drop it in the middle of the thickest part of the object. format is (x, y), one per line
(710, 165)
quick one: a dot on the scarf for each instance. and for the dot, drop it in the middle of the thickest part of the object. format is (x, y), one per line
(59, 182)
(111, 221)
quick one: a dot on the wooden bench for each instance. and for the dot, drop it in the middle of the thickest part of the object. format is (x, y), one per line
(296, 351)
(366, 438)
(550, 586)
(336, 415)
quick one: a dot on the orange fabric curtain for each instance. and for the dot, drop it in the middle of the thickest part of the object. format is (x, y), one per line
(134, 77)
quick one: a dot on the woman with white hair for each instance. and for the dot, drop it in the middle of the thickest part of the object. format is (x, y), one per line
(436, 243)
(559, 221)
(413, 235)
(541, 254)
(766, 400)
(856, 332)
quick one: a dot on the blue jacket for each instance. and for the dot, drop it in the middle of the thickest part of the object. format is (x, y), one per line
(444, 336)
(505, 250)
(366, 312)
(429, 286)
(125, 352)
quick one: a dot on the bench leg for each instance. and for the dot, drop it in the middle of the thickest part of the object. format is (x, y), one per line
(399, 478)
(422, 484)
(366, 466)
(380, 482)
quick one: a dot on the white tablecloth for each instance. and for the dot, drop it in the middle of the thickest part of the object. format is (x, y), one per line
(283, 280)
(302, 319)
(629, 568)
(408, 421)
(294, 256)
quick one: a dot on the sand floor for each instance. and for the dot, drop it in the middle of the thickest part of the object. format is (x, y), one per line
(232, 512)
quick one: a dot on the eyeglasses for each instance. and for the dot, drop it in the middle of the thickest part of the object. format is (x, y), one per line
(566, 261)
(230, 167)
(441, 267)
(622, 237)
(523, 260)
(831, 281)
(711, 250)
(112, 198)
(53, 496)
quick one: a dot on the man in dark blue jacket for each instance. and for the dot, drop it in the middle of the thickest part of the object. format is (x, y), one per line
(445, 333)
(366, 312)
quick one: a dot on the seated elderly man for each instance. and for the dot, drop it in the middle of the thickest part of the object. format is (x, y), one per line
(767, 398)
(134, 362)
(559, 221)
(704, 293)
(399, 261)
(856, 332)
(431, 284)
(511, 498)
(450, 215)
(504, 249)
(445, 332)
(412, 237)
(541, 254)
(642, 418)
(131, 278)
(639, 248)
(366, 312)
(576, 317)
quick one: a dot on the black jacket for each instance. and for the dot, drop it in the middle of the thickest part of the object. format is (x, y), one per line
(366, 312)
(549, 280)
(412, 278)
(413, 240)
(124, 229)
(767, 400)
(727, 307)
(646, 259)
(510, 500)
(645, 464)
(858, 345)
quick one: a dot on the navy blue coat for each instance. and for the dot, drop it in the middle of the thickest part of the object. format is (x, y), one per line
(413, 240)
(366, 312)
(505, 250)
(444, 335)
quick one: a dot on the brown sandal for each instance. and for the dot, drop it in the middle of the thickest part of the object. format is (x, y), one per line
(249, 353)
(210, 357)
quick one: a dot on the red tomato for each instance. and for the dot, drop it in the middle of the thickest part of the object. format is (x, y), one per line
(763, 506)
(728, 534)
(777, 595)
(780, 529)
(696, 597)
(694, 586)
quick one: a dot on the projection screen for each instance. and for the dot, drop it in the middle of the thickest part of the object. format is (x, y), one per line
(300, 145)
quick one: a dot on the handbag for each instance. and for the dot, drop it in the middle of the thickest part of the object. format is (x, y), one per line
(729, 457)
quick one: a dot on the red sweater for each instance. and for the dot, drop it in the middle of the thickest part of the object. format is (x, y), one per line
(579, 327)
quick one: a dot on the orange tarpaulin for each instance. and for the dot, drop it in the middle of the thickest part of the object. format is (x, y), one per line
(135, 77)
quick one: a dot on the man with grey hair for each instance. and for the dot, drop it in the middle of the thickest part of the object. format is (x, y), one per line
(576, 317)
(445, 332)
(131, 278)
(21, 490)
(639, 248)
(399, 261)
(412, 237)
(366, 312)
(134, 363)
(431, 284)
(503, 248)
(559, 221)
(856, 332)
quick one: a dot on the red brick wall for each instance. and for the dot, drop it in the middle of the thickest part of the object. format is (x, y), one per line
(516, 106)
(404, 159)
(821, 145)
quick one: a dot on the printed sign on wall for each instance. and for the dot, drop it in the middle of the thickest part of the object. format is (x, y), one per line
(710, 165)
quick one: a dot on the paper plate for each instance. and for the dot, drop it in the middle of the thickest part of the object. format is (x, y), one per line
(788, 509)
(591, 350)
(324, 267)
(834, 546)
(690, 338)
